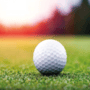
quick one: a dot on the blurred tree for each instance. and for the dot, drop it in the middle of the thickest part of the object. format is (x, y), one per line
(56, 25)
(82, 18)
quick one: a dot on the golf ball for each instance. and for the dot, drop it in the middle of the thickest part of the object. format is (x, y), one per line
(49, 57)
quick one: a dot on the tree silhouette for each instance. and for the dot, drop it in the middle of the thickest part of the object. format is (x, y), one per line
(82, 18)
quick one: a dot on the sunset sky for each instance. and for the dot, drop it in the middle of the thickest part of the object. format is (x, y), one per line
(22, 12)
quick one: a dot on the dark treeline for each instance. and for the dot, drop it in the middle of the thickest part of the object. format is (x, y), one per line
(82, 18)
(78, 21)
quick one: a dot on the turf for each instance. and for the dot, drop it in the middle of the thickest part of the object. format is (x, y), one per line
(17, 70)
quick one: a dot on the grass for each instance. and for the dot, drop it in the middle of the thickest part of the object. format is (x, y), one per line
(17, 70)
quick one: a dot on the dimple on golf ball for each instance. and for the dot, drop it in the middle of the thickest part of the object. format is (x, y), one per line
(49, 57)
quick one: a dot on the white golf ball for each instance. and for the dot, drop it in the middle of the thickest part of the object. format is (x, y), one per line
(49, 57)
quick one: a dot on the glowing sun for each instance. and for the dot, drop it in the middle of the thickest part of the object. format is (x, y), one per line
(21, 12)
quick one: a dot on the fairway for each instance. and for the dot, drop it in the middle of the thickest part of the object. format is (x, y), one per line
(17, 70)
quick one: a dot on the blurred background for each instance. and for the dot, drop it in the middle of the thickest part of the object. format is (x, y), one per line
(44, 17)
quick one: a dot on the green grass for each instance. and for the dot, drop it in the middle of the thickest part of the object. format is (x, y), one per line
(17, 70)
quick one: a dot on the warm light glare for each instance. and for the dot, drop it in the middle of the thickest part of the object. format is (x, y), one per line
(22, 12)
(25, 11)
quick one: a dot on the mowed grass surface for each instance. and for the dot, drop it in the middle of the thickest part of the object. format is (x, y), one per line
(17, 70)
